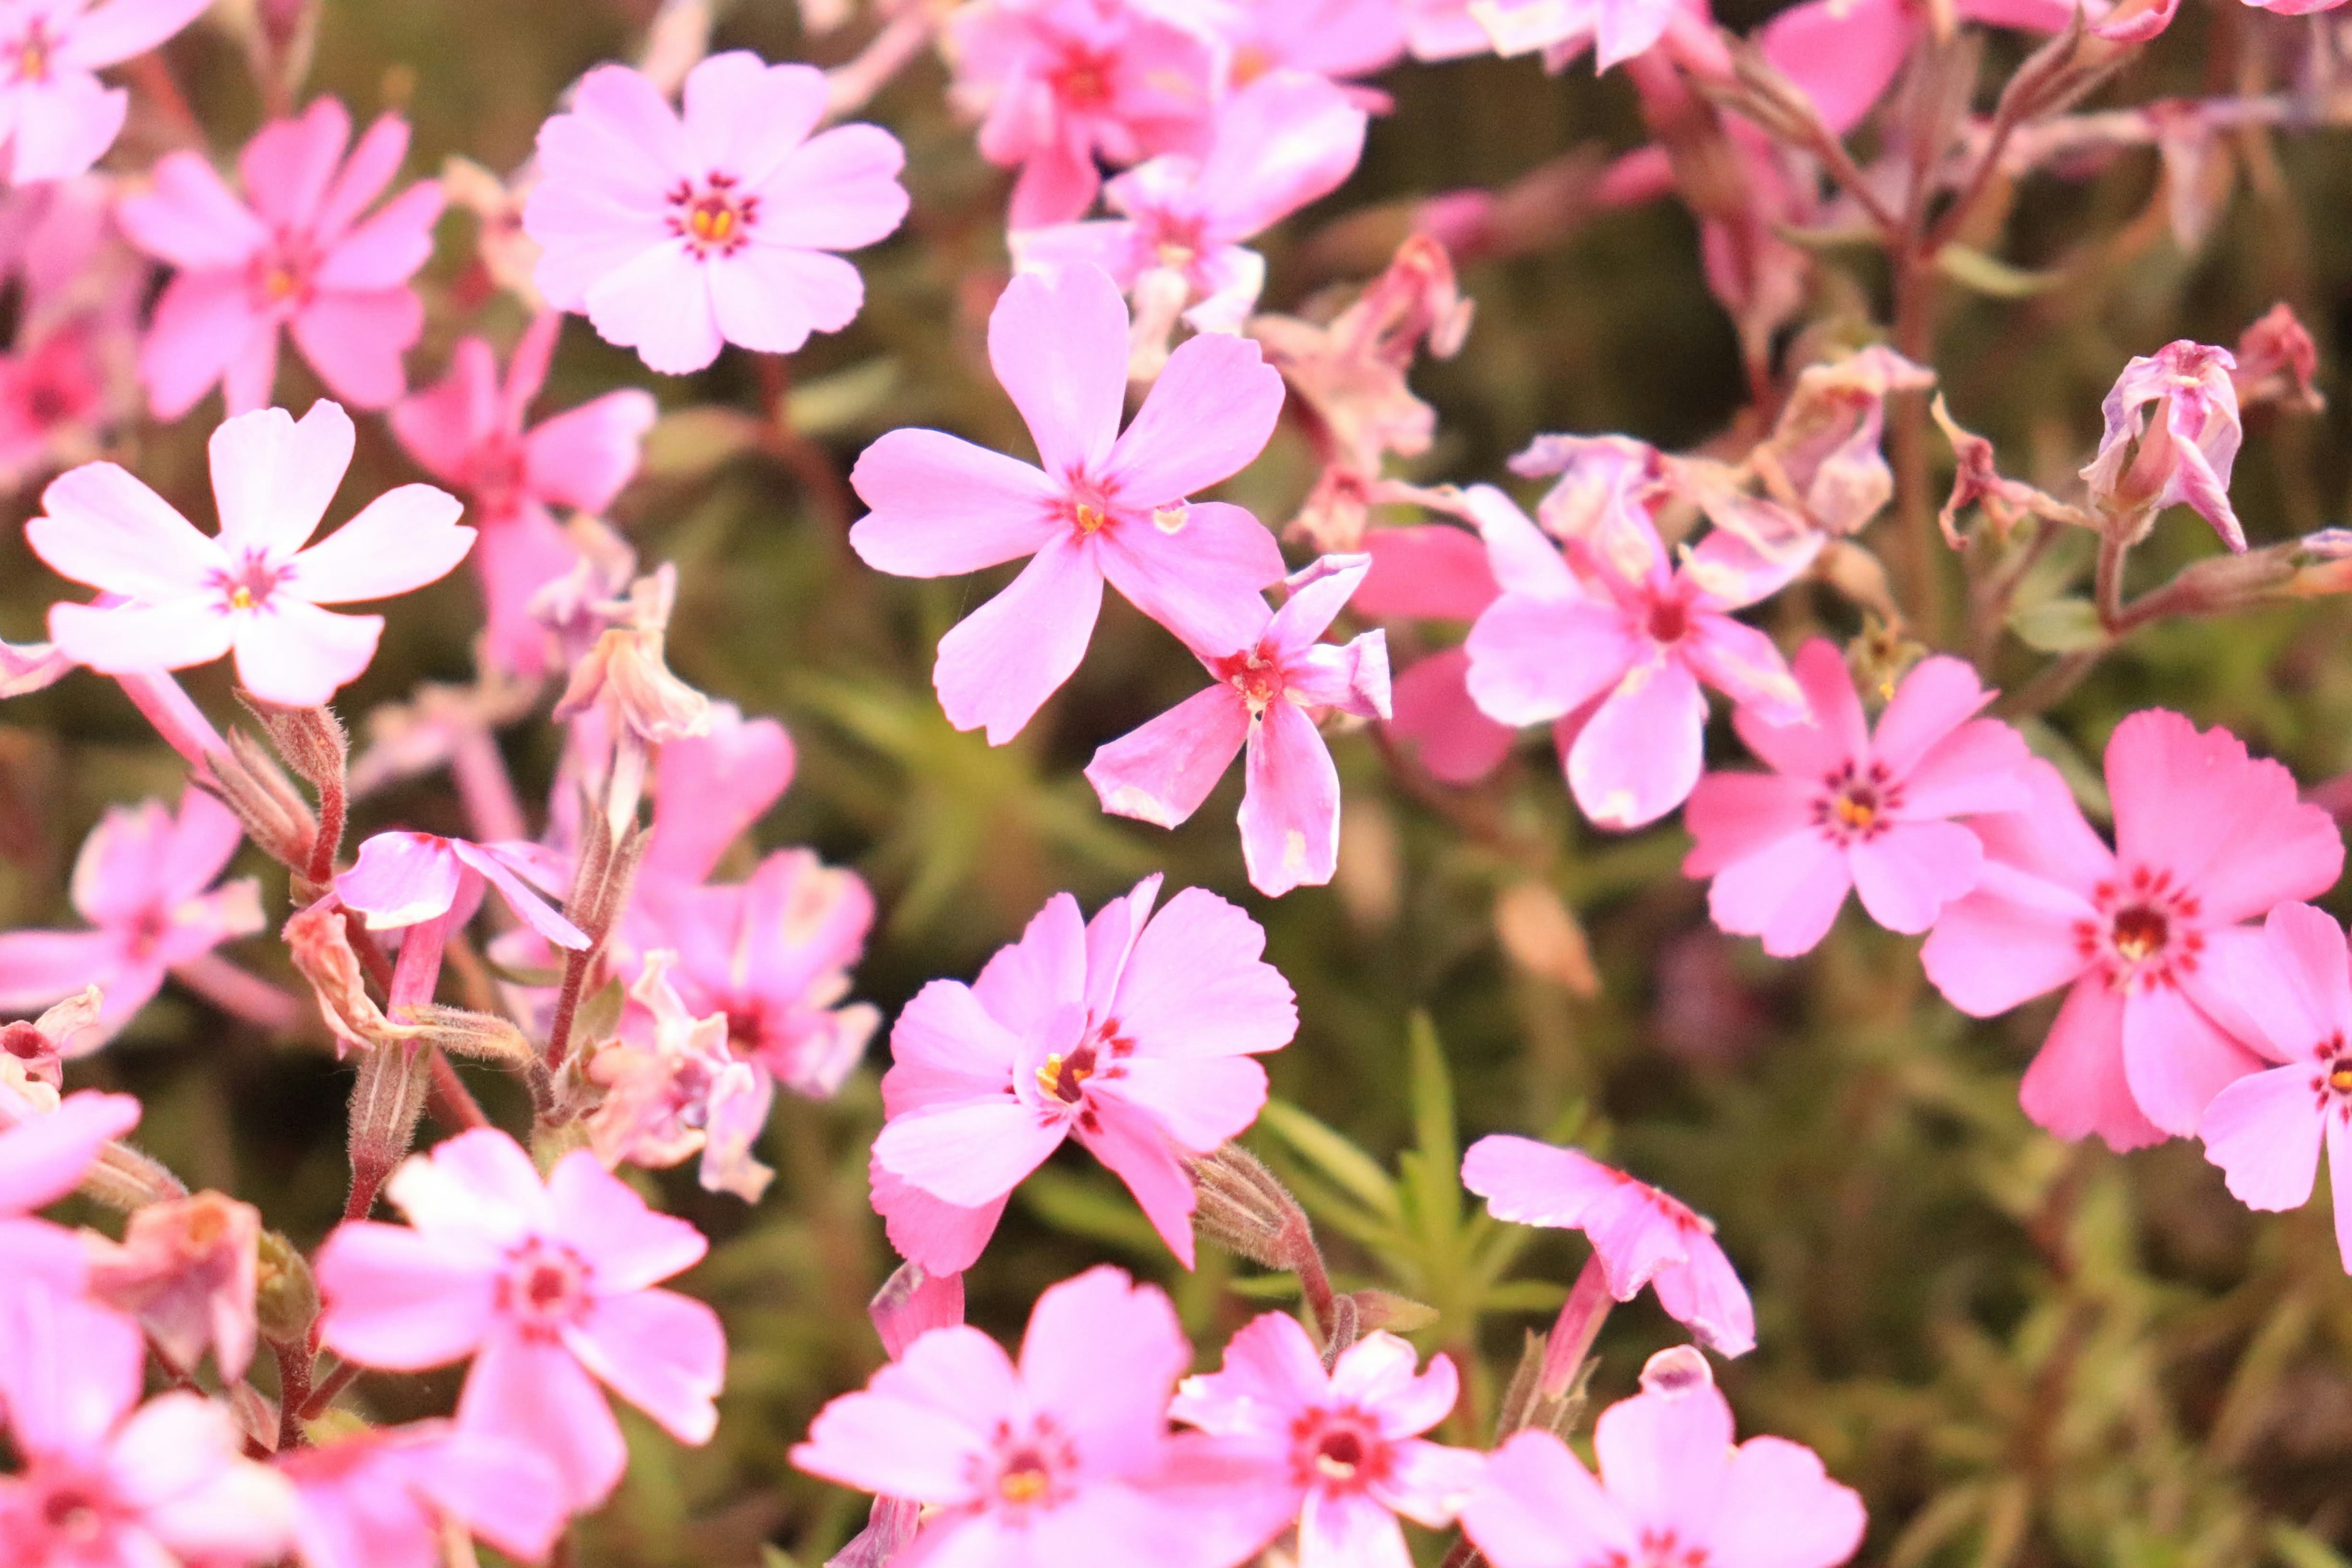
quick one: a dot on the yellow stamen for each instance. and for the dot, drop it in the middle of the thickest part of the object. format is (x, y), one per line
(1022, 1486)
(240, 597)
(1090, 519)
(2340, 1080)
(1854, 813)
(713, 224)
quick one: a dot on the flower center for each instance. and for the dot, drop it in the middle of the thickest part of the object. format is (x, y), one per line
(496, 475)
(2148, 930)
(1084, 81)
(281, 274)
(33, 54)
(1340, 1456)
(1024, 1481)
(1339, 1450)
(23, 1042)
(1090, 519)
(1856, 802)
(1064, 1078)
(249, 585)
(716, 219)
(2339, 1075)
(1669, 621)
(73, 1514)
(2140, 933)
(546, 1287)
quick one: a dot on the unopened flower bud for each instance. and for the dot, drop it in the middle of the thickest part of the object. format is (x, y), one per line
(1676, 1371)
(2172, 436)
(386, 1099)
(319, 943)
(310, 740)
(286, 1298)
(2277, 361)
(276, 816)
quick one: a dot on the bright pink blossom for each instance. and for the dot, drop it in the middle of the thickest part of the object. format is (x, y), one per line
(185, 598)
(1844, 809)
(1673, 1489)
(1336, 38)
(2181, 452)
(1131, 1033)
(145, 881)
(44, 1154)
(2151, 1030)
(1106, 505)
(1339, 1451)
(295, 253)
(674, 233)
(408, 878)
(1437, 572)
(548, 1286)
(1267, 688)
(1641, 1236)
(59, 119)
(383, 1497)
(468, 432)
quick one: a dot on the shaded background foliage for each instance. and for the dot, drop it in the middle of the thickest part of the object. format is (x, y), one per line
(2021, 1352)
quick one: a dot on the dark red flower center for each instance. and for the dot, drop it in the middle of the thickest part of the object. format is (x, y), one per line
(1339, 1450)
(546, 1287)
(2148, 930)
(1084, 81)
(1669, 621)
(2140, 933)
(1855, 803)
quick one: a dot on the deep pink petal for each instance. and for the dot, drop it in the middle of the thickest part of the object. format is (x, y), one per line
(72, 1372)
(1539, 1507)
(1659, 1453)
(1742, 663)
(1835, 732)
(943, 506)
(501, 871)
(1059, 347)
(43, 1159)
(1433, 714)
(1429, 1482)
(1101, 1355)
(1161, 771)
(39, 967)
(2076, 1086)
(944, 1237)
(1433, 571)
(1780, 1510)
(1271, 1372)
(355, 341)
(287, 167)
(189, 217)
(1133, 1145)
(998, 664)
(1199, 1103)
(2011, 940)
(1978, 768)
(1843, 55)
(2265, 1130)
(921, 1430)
(630, 1246)
(1732, 816)
(1939, 696)
(1536, 1184)
(585, 457)
(1704, 1293)
(1196, 983)
(2225, 822)
(1788, 892)
(384, 253)
(204, 328)
(2295, 985)
(968, 1154)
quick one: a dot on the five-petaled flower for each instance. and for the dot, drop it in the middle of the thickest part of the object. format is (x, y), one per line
(60, 120)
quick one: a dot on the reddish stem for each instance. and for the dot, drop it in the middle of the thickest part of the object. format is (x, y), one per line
(293, 1392)
(451, 1103)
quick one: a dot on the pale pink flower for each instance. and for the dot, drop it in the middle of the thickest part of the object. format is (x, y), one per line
(548, 1286)
(1339, 1451)
(1336, 38)
(58, 118)
(1847, 810)
(673, 1090)
(295, 253)
(1131, 1033)
(1265, 690)
(2151, 1030)
(1106, 505)
(1845, 54)
(1673, 1488)
(45, 1151)
(1641, 1236)
(108, 1480)
(1281, 142)
(1062, 83)
(187, 598)
(677, 234)
(186, 1270)
(2181, 451)
(1056, 1461)
(144, 881)
(408, 878)
(2266, 1129)
(384, 1498)
(468, 432)
(911, 1304)
(36, 1052)
(1437, 573)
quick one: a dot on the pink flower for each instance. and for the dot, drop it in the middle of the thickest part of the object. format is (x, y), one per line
(1335, 38)
(1641, 1236)
(2266, 1129)
(1845, 54)
(1106, 505)
(60, 119)
(144, 881)
(106, 1480)
(44, 1154)
(1339, 1451)
(674, 235)
(1131, 1033)
(1672, 1488)
(1844, 809)
(1062, 83)
(2183, 451)
(186, 599)
(911, 1304)
(408, 878)
(1437, 572)
(1281, 142)
(676, 1090)
(2151, 1030)
(186, 1270)
(1614, 632)
(1265, 688)
(549, 1288)
(1056, 1461)
(298, 257)
(53, 403)
(468, 432)
(382, 1498)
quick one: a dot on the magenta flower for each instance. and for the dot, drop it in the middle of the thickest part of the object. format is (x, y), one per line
(60, 119)
(2152, 1028)
(1641, 1236)
(673, 234)
(1844, 809)
(383, 1497)
(300, 256)
(106, 1480)
(1062, 83)
(1673, 1489)
(186, 599)
(1613, 632)
(2266, 1129)
(1281, 142)
(1106, 505)
(1056, 1461)
(549, 1288)
(468, 432)
(2180, 453)
(1339, 1451)
(145, 881)
(1131, 1033)
(1266, 686)
(408, 878)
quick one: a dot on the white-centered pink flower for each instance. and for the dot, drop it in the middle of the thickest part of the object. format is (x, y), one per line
(58, 118)
(180, 598)
(674, 233)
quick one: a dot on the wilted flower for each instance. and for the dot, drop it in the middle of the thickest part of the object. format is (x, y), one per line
(1823, 452)
(627, 672)
(2182, 452)
(186, 1270)
(39, 1049)
(2276, 363)
(680, 1091)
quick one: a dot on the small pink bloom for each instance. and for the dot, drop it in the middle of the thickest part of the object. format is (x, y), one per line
(186, 1270)
(408, 878)
(1056, 1461)
(186, 599)
(1106, 505)
(1642, 1236)
(145, 881)
(1336, 38)
(1339, 1451)
(1673, 1489)
(2277, 360)
(911, 1304)
(106, 1480)
(677, 234)
(294, 253)
(675, 1091)
(468, 432)
(1843, 809)
(1266, 687)
(36, 1052)
(2181, 453)
(549, 1288)
(2206, 837)
(383, 1497)
(54, 403)
(1131, 1033)
(60, 120)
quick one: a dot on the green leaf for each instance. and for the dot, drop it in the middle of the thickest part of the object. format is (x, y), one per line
(1972, 269)
(2298, 1548)
(1436, 1176)
(847, 398)
(1333, 1155)
(2060, 626)
(1079, 1208)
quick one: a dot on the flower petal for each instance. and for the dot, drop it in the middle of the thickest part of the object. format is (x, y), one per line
(943, 507)
(998, 664)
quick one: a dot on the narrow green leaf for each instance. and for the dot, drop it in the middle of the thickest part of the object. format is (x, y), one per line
(1334, 1155)
(1437, 1175)
(1972, 269)
(2295, 1547)
(2060, 626)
